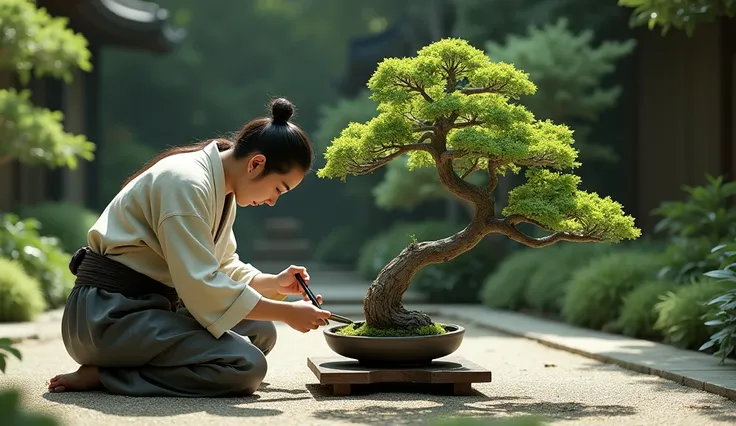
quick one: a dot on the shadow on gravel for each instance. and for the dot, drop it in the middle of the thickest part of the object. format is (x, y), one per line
(125, 406)
(379, 411)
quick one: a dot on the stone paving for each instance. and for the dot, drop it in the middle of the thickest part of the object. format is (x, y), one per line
(529, 378)
(567, 374)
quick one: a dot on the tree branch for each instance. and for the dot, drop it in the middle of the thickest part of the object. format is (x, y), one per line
(492, 176)
(471, 169)
(488, 89)
(362, 169)
(416, 88)
(467, 124)
(505, 228)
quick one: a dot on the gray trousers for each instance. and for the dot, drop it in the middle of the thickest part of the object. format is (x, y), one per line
(142, 348)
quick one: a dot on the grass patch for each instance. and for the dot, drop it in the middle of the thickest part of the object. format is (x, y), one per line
(367, 331)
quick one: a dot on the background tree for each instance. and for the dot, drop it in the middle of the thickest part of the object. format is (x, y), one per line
(451, 107)
(35, 44)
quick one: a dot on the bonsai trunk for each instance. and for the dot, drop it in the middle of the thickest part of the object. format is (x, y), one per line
(383, 306)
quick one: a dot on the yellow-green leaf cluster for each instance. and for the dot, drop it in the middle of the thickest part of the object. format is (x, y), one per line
(553, 200)
(523, 144)
(360, 144)
(36, 135)
(33, 41)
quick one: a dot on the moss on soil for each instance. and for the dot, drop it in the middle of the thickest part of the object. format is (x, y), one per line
(366, 331)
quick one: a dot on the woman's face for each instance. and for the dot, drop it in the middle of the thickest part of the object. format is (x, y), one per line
(253, 190)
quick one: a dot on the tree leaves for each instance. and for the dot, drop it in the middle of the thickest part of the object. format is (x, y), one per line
(553, 201)
(35, 135)
(33, 43)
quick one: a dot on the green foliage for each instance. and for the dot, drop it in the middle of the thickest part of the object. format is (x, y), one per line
(365, 330)
(35, 44)
(379, 250)
(703, 220)
(637, 311)
(404, 189)
(35, 135)
(679, 14)
(6, 348)
(595, 293)
(21, 298)
(505, 287)
(343, 244)
(335, 117)
(553, 200)
(466, 103)
(547, 286)
(458, 280)
(723, 305)
(65, 221)
(14, 415)
(682, 311)
(568, 72)
(41, 257)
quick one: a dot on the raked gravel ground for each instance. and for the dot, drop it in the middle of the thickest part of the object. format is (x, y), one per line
(528, 378)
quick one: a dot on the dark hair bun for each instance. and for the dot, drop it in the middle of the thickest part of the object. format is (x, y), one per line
(282, 109)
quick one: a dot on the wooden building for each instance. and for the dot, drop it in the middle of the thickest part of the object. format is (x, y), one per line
(141, 25)
(684, 122)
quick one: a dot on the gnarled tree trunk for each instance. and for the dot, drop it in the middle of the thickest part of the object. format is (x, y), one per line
(383, 306)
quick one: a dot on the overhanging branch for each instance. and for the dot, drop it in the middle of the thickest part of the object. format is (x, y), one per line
(361, 169)
(506, 228)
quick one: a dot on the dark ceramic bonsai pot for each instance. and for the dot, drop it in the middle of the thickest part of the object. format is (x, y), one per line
(395, 351)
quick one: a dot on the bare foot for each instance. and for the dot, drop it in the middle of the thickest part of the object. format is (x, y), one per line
(87, 377)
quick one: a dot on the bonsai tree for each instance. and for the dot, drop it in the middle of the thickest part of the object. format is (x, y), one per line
(453, 108)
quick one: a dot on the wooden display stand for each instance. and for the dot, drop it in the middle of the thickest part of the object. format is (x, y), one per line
(344, 374)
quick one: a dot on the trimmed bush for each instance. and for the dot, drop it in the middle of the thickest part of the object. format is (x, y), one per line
(505, 287)
(21, 298)
(680, 314)
(41, 257)
(69, 223)
(458, 280)
(378, 251)
(638, 316)
(596, 292)
(548, 285)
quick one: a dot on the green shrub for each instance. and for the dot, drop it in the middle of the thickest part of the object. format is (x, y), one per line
(67, 222)
(378, 251)
(21, 298)
(505, 287)
(637, 312)
(458, 280)
(694, 226)
(41, 257)
(343, 244)
(548, 285)
(723, 306)
(680, 314)
(595, 293)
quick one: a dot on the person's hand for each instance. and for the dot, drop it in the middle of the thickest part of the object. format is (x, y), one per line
(287, 284)
(304, 316)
